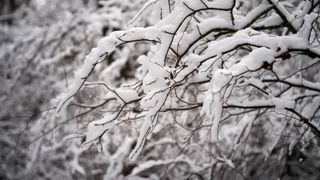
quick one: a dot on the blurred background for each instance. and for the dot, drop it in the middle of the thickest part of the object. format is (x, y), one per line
(41, 43)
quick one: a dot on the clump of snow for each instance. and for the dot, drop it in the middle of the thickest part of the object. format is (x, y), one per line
(282, 103)
(127, 94)
(96, 129)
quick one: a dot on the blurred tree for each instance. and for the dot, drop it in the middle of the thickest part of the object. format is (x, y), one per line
(39, 49)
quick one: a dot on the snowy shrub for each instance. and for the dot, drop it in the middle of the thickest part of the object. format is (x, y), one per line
(224, 79)
(194, 89)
